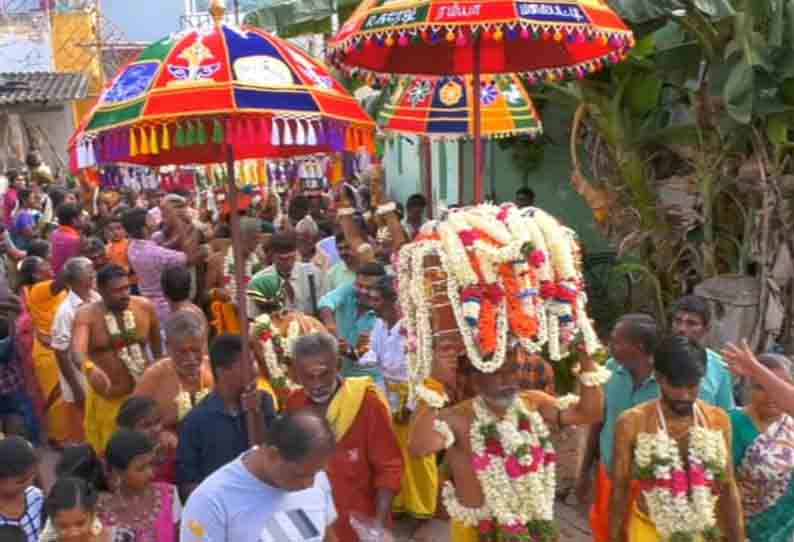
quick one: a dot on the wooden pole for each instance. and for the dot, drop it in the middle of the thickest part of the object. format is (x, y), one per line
(254, 419)
(478, 189)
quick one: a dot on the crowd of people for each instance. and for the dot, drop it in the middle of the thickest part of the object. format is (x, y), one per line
(120, 350)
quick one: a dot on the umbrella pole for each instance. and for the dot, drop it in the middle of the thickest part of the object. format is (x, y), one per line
(253, 419)
(478, 195)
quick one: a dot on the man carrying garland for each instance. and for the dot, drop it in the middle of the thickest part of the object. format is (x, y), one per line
(677, 449)
(498, 450)
(112, 339)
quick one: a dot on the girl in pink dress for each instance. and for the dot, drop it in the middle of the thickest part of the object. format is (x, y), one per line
(148, 510)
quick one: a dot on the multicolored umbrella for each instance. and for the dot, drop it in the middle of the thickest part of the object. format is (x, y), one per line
(443, 107)
(542, 41)
(190, 94)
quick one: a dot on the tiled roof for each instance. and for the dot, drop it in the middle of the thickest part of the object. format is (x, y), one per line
(39, 87)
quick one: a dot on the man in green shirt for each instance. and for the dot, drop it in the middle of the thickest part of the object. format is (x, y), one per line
(632, 343)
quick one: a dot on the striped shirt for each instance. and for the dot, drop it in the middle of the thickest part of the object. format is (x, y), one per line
(30, 520)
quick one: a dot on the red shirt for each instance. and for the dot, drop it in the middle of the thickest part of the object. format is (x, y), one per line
(367, 458)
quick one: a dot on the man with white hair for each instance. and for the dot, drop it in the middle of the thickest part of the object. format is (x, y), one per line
(80, 278)
(307, 233)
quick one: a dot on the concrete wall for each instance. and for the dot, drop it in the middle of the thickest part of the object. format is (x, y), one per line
(58, 126)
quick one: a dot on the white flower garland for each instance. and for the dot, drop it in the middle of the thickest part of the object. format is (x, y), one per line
(430, 397)
(442, 428)
(517, 488)
(567, 401)
(591, 342)
(184, 404)
(682, 502)
(558, 244)
(130, 353)
(545, 272)
(275, 370)
(597, 377)
(470, 517)
(472, 350)
(230, 280)
(386, 208)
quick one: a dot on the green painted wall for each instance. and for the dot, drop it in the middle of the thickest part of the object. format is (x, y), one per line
(403, 165)
(551, 181)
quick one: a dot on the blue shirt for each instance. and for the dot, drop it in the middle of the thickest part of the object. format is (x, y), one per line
(620, 395)
(349, 323)
(233, 505)
(328, 245)
(210, 437)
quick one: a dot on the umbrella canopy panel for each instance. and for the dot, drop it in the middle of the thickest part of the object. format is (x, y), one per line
(443, 107)
(189, 94)
(542, 40)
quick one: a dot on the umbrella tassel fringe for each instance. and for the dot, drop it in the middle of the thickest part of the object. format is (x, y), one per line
(287, 134)
(144, 143)
(133, 143)
(218, 137)
(154, 147)
(166, 146)
(190, 135)
(311, 135)
(201, 133)
(179, 138)
(274, 135)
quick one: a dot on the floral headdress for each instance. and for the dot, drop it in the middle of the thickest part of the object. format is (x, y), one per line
(510, 275)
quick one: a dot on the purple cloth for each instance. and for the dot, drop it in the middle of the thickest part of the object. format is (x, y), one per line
(66, 243)
(148, 260)
(9, 202)
(25, 219)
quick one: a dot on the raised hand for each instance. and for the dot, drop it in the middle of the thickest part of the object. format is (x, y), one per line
(740, 359)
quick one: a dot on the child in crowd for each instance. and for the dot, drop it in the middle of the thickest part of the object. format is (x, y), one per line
(71, 511)
(150, 511)
(20, 501)
(140, 413)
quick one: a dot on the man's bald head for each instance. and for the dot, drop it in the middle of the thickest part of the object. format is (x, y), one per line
(301, 434)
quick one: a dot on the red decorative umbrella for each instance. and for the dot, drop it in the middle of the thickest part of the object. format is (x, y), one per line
(190, 95)
(543, 41)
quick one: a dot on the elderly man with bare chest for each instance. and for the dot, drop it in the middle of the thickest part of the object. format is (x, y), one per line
(113, 340)
(498, 449)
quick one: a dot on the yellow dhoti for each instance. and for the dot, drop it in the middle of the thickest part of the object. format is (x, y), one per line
(224, 318)
(420, 474)
(263, 384)
(458, 532)
(60, 424)
(100, 418)
(642, 529)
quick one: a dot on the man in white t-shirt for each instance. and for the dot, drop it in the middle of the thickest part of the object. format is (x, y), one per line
(81, 279)
(277, 492)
